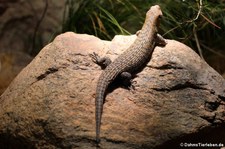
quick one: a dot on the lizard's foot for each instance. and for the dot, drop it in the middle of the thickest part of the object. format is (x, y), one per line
(138, 32)
(128, 82)
(160, 41)
(132, 85)
(94, 57)
(102, 62)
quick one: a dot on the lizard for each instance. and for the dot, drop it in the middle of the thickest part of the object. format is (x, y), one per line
(128, 62)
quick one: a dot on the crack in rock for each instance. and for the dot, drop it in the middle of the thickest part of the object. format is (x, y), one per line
(181, 86)
(169, 65)
(49, 71)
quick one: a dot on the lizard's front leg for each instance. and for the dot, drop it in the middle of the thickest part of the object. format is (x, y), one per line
(160, 41)
(102, 62)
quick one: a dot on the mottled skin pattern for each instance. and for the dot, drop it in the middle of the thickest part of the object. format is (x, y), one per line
(129, 61)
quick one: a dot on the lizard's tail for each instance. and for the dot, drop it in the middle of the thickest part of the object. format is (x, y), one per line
(100, 95)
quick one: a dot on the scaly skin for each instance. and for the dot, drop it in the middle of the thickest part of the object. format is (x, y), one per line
(129, 61)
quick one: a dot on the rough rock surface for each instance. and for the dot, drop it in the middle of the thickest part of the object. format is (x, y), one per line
(50, 104)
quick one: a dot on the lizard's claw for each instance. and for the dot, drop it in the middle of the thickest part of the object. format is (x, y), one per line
(94, 57)
(132, 86)
(103, 62)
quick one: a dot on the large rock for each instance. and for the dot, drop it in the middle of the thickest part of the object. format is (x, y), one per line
(177, 99)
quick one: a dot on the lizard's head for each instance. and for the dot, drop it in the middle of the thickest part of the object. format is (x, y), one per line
(154, 14)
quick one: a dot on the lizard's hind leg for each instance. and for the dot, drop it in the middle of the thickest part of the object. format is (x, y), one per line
(102, 62)
(127, 80)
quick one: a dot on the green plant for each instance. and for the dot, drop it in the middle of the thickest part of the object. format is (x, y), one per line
(197, 23)
(97, 17)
